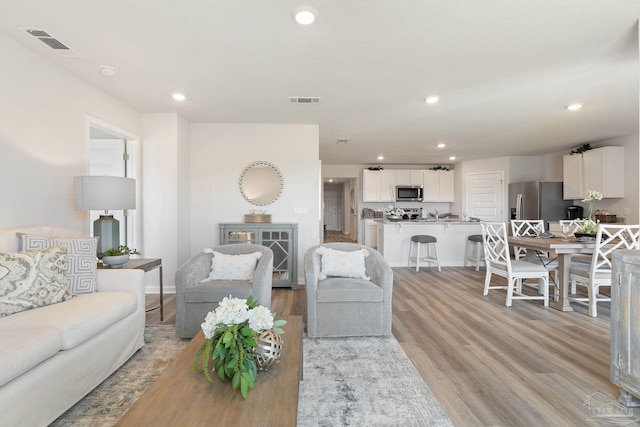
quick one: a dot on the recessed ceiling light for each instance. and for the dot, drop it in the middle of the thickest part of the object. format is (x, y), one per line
(108, 70)
(452, 157)
(380, 157)
(330, 180)
(342, 141)
(432, 99)
(304, 15)
(178, 97)
(574, 107)
(441, 145)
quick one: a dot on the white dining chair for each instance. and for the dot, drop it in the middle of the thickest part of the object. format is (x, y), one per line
(598, 273)
(571, 223)
(498, 261)
(533, 228)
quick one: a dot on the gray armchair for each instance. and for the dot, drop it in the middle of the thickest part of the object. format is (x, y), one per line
(343, 307)
(194, 298)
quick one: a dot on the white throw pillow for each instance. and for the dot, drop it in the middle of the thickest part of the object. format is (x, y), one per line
(81, 258)
(342, 263)
(32, 279)
(233, 267)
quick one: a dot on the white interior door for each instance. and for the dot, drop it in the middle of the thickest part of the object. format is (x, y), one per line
(485, 196)
(331, 210)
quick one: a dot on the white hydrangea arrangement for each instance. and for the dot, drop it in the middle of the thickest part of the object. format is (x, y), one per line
(230, 336)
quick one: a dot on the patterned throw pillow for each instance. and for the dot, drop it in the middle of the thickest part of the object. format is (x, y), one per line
(32, 279)
(81, 258)
(342, 263)
(233, 267)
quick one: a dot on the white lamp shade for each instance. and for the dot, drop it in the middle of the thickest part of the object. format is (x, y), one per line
(104, 193)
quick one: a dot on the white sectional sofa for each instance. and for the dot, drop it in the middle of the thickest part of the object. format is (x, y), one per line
(52, 356)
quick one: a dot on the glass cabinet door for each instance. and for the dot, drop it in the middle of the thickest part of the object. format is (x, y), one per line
(278, 242)
(241, 237)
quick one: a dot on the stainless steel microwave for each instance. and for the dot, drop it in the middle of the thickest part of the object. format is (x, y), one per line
(408, 193)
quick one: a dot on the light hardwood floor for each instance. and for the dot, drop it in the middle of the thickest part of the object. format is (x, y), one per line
(487, 364)
(336, 236)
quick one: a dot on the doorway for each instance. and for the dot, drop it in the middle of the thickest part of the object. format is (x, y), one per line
(338, 214)
(114, 152)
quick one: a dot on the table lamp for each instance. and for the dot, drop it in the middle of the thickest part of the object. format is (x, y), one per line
(105, 193)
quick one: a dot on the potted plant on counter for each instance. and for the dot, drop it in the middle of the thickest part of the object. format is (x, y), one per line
(116, 257)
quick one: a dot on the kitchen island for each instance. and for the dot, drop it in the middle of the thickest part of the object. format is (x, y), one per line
(394, 239)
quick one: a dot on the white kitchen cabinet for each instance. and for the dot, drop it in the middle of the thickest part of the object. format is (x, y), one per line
(572, 177)
(378, 186)
(371, 233)
(438, 186)
(600, 169)
(410, 177)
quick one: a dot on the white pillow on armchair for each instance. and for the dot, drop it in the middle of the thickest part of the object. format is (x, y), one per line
(342, 263)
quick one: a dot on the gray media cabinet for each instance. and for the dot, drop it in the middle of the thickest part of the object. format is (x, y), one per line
(281, 238)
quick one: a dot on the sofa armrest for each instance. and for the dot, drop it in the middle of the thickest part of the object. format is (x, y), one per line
(122, 280)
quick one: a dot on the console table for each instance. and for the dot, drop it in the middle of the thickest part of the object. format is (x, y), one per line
(145, 264)
(181, 397)
(281, 238)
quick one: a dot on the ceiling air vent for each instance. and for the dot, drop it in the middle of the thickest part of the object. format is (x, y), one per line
(304, 100)
(55, 44)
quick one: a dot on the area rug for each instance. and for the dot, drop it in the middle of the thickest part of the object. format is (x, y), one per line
(346, 382)
(364, 382)
(106, 404)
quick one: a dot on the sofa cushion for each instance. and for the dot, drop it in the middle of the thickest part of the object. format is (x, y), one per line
(32, 279)
(342, 263)
(81, 258)
(233, 267)
(341, 289)
(79, 319)
(216, 290)
(22, 349)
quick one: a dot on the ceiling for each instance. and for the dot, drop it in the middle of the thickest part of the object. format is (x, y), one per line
(504, 70)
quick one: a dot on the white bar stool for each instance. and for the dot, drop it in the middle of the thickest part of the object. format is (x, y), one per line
(429, 242)
(477, 250)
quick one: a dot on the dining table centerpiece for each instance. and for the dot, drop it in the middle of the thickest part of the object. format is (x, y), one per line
(589, 226)
(231, 334)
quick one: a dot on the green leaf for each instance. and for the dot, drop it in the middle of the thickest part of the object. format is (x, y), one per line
(216, 352)
(228, 336)
(280, 322)
(246, 331)
(277, 330)
(244, 387)
(235, 382)
(232, 362)
(248, 378)
(221, 373)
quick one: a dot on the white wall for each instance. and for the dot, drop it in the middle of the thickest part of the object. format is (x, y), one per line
(42, 138)
(219, 153)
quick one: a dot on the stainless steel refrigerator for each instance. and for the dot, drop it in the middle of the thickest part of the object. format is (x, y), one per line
(537, 200)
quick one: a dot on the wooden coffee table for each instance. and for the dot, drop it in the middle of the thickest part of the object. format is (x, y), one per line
(181, 397)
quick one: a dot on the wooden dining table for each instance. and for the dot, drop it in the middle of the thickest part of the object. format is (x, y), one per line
(564, 249)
